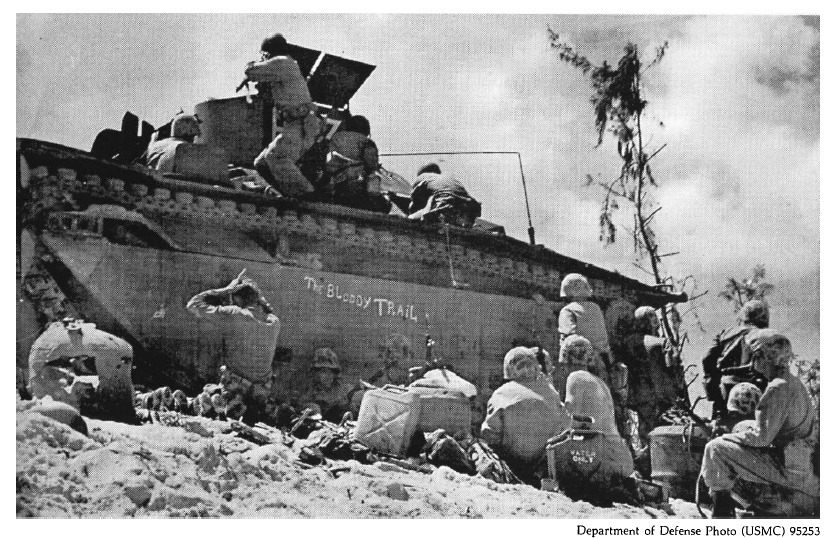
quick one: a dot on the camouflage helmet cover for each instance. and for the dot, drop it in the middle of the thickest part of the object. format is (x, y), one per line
(325, 358)
(514, 359)
(577, 350)
(743, 398)
(576, 286)
(185, 125)
(774, 347)
(755, 312)
(646, 319)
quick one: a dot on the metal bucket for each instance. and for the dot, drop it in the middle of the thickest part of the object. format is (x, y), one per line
(676, 456)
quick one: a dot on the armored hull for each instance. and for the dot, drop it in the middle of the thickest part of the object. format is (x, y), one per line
(126, 248)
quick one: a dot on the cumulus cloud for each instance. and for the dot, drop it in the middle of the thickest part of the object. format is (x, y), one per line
(740, 106)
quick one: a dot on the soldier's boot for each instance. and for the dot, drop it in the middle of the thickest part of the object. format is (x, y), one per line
(724, 505)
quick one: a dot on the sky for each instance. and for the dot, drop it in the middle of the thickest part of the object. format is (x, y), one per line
(736, 99)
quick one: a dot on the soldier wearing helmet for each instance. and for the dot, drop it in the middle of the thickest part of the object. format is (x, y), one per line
(740, 406)
(436, 196)
(585, 393)
(352, 158)
(396, 354)
(727, 362)
(743, 399)
(654, 387)
(584, 317)
(319, 388)
(289, 117)
(161, 154)
(769, 465)
(523, 413)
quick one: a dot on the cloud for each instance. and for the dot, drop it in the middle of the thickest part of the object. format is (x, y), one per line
(739, 101)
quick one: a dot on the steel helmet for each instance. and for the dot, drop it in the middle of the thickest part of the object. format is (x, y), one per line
(325, 358)
(646, 319)
(755, 312)
(514, 359)
(184, 126)
(430, 168)
(396, 349)
(576, 286)
(576, 350)
(274, 45)
(357, 124)
(743, 398)
(774, 347)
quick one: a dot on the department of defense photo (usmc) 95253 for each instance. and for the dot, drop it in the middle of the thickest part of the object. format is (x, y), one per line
(417, 266)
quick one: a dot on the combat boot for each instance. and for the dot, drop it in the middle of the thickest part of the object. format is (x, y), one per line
(724, 505)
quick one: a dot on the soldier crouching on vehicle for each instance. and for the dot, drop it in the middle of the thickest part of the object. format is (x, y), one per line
(283, 87)
(161, 154)
(768, 468)
(436, 197)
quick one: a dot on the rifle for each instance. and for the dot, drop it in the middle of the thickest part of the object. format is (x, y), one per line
(687, 410)
(539, 354)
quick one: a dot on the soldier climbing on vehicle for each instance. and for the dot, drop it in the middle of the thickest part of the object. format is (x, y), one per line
(286, 96)
(350, 171)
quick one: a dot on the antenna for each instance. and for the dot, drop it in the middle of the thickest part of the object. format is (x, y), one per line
(531, 229)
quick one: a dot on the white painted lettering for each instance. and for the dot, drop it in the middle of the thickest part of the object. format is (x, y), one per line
(362, 301)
